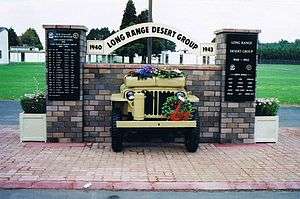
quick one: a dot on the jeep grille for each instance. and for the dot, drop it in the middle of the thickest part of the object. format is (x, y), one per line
(154, 102)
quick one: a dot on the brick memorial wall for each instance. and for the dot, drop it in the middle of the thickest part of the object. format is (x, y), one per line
(101, 80)
(65, 107)
(87, 119)
(237, 118)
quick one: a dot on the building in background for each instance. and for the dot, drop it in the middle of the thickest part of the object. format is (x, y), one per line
(106, 59)
(26, 54)
(185, 57)
(166, 57)
(4, 55)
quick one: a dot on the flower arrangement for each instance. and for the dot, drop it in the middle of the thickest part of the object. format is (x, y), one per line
(145, 72)
(176, 109)
(149, 71)
(35, 103)
(170, 73)
(266, 106)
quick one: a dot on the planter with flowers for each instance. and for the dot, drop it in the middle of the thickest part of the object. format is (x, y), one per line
(148, 76)
(143, 77)
(33, 119)
(266, 120)
(170, 78)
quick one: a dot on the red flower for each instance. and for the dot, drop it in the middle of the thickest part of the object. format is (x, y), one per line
(177, 115)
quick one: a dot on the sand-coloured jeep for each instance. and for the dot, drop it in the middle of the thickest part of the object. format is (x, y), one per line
(154, 100)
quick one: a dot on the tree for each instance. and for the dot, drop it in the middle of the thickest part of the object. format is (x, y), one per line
(158, 44)
(297, 41)
(129, 19)
(99, 34)
(13, 39)
(283, 41)
(280, 52)
(31, 38)
(140, 46)
(129, 16)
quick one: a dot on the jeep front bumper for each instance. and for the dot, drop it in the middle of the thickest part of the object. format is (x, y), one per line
(156, 124)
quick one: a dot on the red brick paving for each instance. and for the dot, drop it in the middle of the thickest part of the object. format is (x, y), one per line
(168, 167)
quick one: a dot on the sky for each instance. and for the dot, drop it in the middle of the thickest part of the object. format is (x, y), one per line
(278, 19)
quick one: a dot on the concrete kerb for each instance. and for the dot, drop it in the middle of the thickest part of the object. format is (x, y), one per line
(152, 186)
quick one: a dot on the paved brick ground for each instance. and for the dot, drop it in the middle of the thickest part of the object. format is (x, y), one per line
(213, 167)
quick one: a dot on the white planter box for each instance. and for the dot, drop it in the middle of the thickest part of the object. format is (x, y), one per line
(170, 82)
(33, 127)
(266, 128)
(135, 82)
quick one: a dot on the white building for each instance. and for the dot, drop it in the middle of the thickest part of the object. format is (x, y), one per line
(105, 59)
(166, 57)
(26, 54)
(4, 57)
(184, 57)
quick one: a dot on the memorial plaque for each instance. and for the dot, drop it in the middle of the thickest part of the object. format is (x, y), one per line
(240, 70)
(63, 64)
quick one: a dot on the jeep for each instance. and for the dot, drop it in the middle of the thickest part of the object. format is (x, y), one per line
(139, 104)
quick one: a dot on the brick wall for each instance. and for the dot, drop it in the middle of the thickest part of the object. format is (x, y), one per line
(65, 118)
(237, 119)
(88, 120)
(100, 81)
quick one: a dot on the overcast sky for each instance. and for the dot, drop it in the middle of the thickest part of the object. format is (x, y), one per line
(200, 18)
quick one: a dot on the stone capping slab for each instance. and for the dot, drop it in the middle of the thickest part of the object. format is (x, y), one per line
(136, 66)
(256, 31)
(76, 27)
(151, 186)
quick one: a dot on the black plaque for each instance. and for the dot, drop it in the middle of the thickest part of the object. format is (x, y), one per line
(63, 64)
(240, 70)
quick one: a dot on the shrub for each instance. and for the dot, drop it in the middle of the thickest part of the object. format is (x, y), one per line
(266, 107)
(173, 73)
(35, 103)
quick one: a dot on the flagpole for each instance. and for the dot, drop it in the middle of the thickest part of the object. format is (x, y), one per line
(149, 39)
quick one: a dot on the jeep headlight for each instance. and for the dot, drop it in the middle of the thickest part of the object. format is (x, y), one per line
(180, 94)
(129, 95)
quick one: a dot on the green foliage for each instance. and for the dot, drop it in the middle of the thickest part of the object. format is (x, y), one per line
(140, 46)
(165, 73)
(266, 107)
(129, 16)
(170, 105)
(99, 34)
(143, 16)
(13, 39)
(31, 38)
(35, 103)
(129, 19)
(283, 50)
(158, 44)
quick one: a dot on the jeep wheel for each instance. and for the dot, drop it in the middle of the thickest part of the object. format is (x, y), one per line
(116, 134)
(192, 136)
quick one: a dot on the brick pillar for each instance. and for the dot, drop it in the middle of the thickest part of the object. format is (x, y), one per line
(236, 118)
(65, 116)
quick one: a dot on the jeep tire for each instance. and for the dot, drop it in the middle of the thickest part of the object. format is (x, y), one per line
(116, 134)
(192, 136)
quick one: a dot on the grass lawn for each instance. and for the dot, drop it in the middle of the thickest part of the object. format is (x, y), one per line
(19, 79)
(282, 81)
